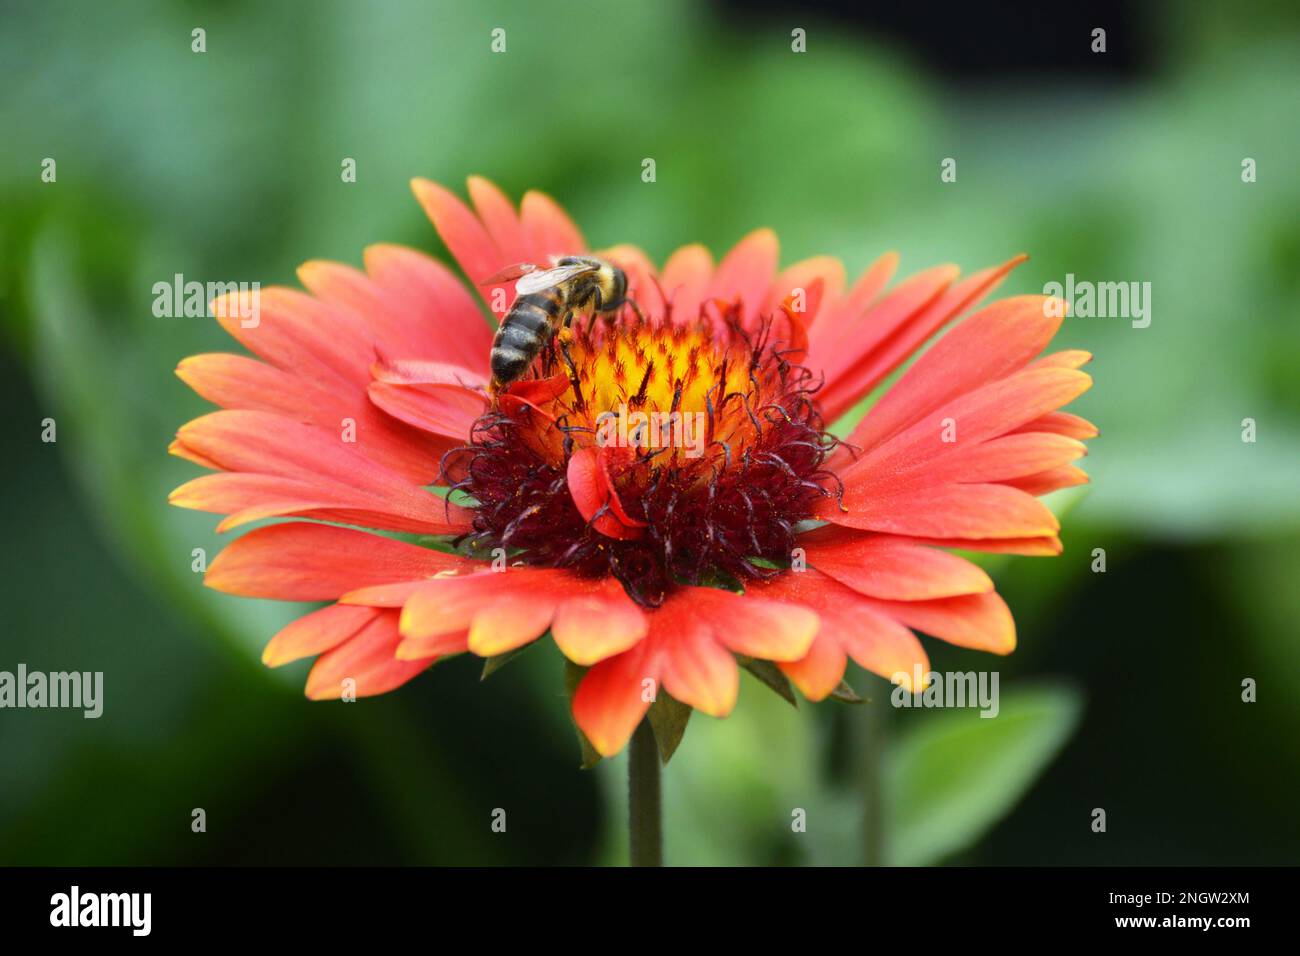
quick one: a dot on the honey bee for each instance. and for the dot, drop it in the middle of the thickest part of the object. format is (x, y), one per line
(545, 302)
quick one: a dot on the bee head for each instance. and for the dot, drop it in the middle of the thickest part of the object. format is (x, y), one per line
(608, 278)
(618, 285)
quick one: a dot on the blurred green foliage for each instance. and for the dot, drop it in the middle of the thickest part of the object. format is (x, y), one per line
(225, 165)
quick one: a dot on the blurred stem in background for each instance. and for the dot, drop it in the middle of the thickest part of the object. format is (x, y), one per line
(868, 733)
(644, 803)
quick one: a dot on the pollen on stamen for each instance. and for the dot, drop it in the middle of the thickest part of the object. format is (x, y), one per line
(714, 493)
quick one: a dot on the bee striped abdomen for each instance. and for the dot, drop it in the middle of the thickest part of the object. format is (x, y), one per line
(524, 333)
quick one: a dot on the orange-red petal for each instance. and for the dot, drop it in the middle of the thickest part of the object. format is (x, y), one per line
(889, 567)
(859, 626)
(685, 277)
(982, 622)
(300, 561)
(745, 273)
(597, 621)
(367, 660)
(614, 696)
(316, 633)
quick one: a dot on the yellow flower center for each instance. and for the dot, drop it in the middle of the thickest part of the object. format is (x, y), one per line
(661, 454)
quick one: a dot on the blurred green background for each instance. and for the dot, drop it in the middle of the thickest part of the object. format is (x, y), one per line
(1125, 693)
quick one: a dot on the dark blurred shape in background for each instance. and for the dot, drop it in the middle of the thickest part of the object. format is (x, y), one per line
(987, 42)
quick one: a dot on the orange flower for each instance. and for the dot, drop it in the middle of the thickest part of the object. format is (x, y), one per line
(373, 386)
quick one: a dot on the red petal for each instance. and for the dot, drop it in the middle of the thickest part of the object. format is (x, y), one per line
(827, 272)
(699, 671)
(510, 621)
(819, 672)
(539, 391)
(979, 621)
(596, 498)
(589, 619)
(750, 625)
(854, 362)
(449, 604)
(435, 300)
(316, 352)
(948, 511)
(1062, 423)
(448, 410)
(437, 645)
(884, 566)
(323, 344)
(686, 275)
(597, 622)
(686, 649)
(1008, 457)
(1068, 358)
(1054, 479)
(299, 561)
(858, 625)
(269, 444)
(549, 228)
(908, 317)
(244, 498)
(1045, 546)
(368, 659)
(383, 311)
(906, 462)
(498, 215)
(991, 344)
(316, 633)
(237, 381)
(614, 696)
(392, 595)
(503, 610)
(746, 273)
(841, 323)
(461, 231)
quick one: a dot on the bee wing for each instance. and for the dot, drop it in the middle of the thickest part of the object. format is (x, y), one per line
(510, 273)
(537, 281)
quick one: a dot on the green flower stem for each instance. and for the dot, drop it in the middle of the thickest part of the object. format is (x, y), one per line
(644, 803)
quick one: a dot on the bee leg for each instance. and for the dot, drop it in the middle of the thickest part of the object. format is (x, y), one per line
(565, 335)
(596, 307)
(573, 377)
(637, 309)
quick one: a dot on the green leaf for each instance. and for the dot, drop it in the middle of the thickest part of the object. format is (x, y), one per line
(573, 674)
(444, 543)
(955, 774)
(772, 676)
(722, 580)
(846, 694)
(494, 664)
(668, 717)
